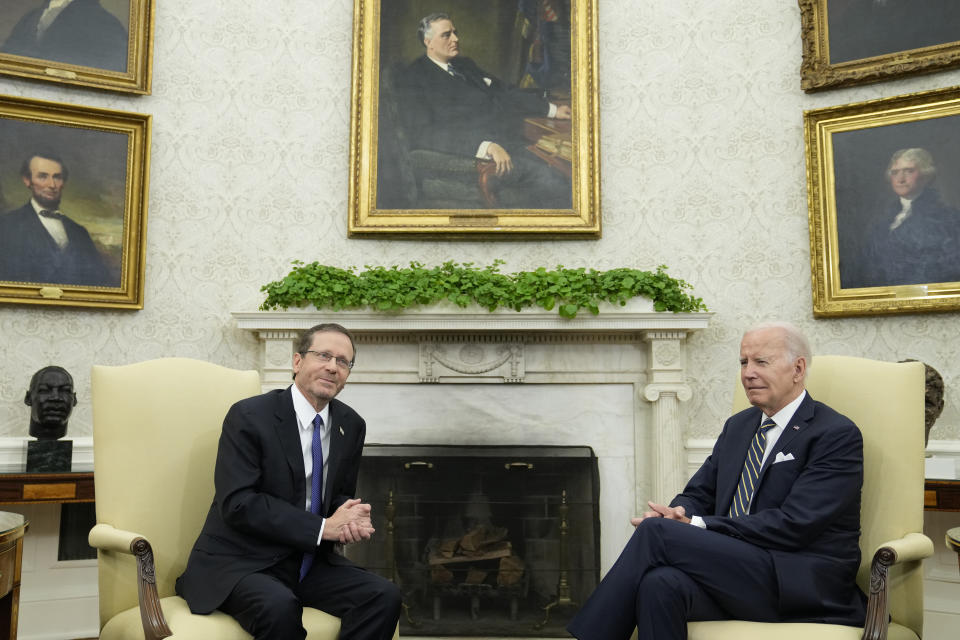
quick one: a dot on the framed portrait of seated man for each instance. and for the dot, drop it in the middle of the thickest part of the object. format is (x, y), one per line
(851, 42)
(105, 44)
(73, 204)
(474, 119)
(884, 205)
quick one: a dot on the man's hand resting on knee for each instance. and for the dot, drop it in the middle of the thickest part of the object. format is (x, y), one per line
(661, 511)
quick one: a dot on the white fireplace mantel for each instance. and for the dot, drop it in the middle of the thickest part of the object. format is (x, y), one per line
(448, 345)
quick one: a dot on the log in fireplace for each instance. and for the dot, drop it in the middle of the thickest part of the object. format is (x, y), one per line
(483, 540)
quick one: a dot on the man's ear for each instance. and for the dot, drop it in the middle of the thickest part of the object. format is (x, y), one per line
(801, 367)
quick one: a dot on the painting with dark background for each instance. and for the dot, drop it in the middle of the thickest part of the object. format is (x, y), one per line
(91, 34)
(507, 38)
(95, 193)
(863, 191)
(861, 29)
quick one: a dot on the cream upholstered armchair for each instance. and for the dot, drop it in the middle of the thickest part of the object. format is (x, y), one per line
(885, 400)
(156, 425)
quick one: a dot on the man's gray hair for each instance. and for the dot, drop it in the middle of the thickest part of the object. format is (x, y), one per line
(920, 157)
(425, 28)
(797, 344)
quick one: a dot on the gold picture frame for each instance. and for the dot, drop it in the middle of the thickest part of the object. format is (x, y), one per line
(87, 169)
(403, 183)
(861, 41)
(104, 44)
(884, 231)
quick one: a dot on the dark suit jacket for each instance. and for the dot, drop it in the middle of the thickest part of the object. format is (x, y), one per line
(28, 253)
(923, 249)
(258, 517)
(84, 33)
(805, 512)
(443, 113)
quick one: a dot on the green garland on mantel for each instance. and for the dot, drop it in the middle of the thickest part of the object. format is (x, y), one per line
(392, 289)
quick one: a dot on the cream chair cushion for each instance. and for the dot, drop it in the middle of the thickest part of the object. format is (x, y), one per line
(186, 626)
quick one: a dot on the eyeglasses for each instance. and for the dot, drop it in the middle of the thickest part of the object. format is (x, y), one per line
(325, 356)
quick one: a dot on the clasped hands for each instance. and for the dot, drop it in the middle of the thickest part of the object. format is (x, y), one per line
(662, 511)
(349, 523)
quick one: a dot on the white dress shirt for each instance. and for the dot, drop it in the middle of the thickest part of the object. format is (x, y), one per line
(305, 414)
(54, 226)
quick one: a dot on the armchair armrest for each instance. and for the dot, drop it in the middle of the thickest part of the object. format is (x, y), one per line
(107, 538)
(910, 548)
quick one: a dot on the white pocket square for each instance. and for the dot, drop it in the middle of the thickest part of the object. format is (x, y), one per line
(782, 458)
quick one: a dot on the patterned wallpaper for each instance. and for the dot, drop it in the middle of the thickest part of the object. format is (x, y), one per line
(702, 170)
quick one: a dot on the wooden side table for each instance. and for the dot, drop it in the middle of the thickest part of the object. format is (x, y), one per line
(12, 528)
(941, 495)
(58, 488)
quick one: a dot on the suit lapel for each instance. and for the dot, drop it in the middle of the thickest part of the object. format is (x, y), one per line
(337, 434)
(288, 432)
(798, 423)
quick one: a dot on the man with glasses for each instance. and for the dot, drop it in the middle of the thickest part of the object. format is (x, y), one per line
(285, 476)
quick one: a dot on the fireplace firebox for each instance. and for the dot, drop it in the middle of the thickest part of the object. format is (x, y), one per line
(483, 540)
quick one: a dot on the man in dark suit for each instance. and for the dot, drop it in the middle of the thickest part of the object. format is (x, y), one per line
(766, 530)
(449, 104)
(915, 239)
(77, 32)
(38, 243)
(267, 547)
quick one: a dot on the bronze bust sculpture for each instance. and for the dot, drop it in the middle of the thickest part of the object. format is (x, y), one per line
(51, 399)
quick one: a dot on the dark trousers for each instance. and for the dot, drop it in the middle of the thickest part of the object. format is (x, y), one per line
(532, 184)
(269, 604)
(671, 573)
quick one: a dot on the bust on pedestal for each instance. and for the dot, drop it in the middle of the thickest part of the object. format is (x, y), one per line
(51, 398)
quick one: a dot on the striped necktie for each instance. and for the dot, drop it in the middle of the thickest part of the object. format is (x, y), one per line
(316, 482)
(751, 471)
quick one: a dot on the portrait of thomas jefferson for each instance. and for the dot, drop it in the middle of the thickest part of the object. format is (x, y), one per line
(911, 236)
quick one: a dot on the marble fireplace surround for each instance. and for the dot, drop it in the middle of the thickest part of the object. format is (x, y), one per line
(445, 375)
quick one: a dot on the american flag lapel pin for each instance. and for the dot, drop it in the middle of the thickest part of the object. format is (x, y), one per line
(795, 428)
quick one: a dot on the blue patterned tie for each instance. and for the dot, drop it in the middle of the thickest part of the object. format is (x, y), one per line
(751, 471)
(316, 481)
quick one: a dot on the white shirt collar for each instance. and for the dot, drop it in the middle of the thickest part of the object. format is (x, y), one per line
(784, 416)
(443, 65)
(305, 411)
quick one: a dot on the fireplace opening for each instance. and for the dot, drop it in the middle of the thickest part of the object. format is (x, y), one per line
(483, 540)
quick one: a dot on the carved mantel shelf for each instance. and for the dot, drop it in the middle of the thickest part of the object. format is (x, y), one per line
(445, 344)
